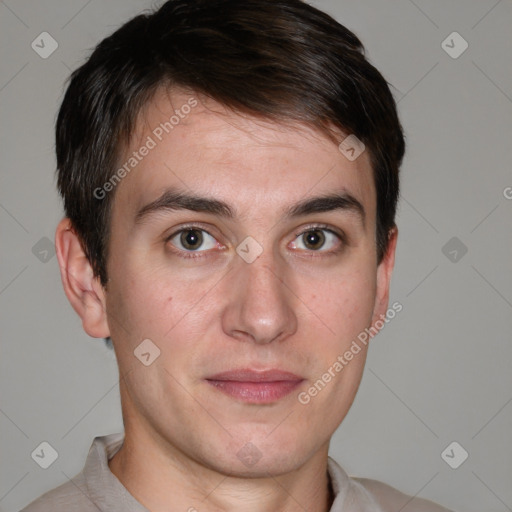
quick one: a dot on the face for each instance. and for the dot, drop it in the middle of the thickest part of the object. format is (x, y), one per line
(225, 254)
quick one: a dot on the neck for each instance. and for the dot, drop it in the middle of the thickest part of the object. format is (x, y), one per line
(162, 479)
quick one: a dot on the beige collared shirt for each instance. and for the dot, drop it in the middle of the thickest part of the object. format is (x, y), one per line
(96, 489)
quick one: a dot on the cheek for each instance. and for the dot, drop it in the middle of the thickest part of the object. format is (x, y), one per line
(137, 300)
(344, 303)
(157, 304)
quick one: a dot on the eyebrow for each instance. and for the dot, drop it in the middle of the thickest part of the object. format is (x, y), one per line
(172, 200)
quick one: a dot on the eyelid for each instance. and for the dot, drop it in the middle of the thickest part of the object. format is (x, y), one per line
(200, 227)
(189, 226)
(303, 230)
(340, 234)
(190, 254)
(311, 253)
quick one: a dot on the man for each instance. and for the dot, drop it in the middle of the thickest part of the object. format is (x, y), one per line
(230, 175)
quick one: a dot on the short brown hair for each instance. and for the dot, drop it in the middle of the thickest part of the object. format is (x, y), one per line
(282, 60)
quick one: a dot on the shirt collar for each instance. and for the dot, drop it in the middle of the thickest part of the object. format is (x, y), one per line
(109, 494)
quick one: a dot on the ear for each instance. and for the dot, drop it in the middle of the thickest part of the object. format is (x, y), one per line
(82, 288)
(384, 271)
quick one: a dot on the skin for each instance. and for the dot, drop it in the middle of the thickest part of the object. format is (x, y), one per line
(294, 308)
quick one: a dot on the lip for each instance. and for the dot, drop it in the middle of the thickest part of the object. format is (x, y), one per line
(256, 386)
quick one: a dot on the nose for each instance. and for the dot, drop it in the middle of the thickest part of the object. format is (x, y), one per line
(260, 307)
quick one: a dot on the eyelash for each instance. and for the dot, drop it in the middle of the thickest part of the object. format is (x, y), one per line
(200, 254)
(323, 227)
(187, 254)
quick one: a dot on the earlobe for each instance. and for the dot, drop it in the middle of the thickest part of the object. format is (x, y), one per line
(82, 288)
(384, 272)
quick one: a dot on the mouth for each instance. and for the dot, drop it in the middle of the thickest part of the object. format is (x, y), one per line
(256, 387)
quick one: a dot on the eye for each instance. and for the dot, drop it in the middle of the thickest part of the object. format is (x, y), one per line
(193, 239)
(317, 239)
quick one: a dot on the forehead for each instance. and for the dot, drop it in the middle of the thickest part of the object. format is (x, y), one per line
(183, 141)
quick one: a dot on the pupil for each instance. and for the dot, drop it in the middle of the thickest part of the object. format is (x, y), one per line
(315, 239)
(191, 239)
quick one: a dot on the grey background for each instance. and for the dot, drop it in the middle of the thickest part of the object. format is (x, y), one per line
(439, 372)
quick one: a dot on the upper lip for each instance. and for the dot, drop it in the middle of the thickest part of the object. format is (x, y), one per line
(249, 375)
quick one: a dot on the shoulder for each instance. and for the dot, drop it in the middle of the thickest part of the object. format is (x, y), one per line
(68, 497)
(391, 499)
(91, 488)
(368, 495)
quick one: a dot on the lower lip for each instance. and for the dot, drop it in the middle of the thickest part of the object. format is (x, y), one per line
(256, 392)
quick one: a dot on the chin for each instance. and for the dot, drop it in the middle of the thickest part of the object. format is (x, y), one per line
(256, 465)
(259, 457)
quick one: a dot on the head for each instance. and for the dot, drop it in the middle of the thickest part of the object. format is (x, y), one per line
(187, 131)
